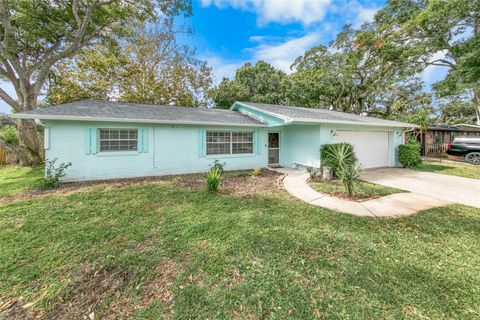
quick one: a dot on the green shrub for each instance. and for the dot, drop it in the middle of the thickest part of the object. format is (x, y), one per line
(337, 155)
(213, 179)
(10, 134)
(257, 172)
(218, 165)
(350, 176)
(344, 163)
(313, 172)
(53, 174)
(409, 155)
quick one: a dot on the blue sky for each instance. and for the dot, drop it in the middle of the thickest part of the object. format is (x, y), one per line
(228, 33)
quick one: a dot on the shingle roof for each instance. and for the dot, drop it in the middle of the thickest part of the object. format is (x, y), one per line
(300, 114)
(99, 110)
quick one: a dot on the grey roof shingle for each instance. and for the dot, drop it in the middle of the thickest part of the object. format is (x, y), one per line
(99, 110)
(322, 115)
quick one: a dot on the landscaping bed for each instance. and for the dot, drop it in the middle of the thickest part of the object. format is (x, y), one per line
(22, 183)
(363, 190)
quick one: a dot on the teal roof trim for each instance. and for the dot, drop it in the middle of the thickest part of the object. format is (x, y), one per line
(270, 119)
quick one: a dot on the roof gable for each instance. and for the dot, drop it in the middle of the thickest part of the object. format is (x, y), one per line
(289, 115)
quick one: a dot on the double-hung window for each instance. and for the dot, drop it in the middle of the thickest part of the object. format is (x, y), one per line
(118, 140)
(228, 142)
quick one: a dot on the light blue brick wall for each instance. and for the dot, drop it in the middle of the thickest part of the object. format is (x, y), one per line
(302, 143)
(176, 149)
(171, 149)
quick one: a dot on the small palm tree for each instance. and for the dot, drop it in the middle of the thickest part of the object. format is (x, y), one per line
(341, 157)
(350, 176)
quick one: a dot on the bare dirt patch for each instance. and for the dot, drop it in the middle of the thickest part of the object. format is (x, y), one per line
(241, 183)
(155, 291)
(97, 286)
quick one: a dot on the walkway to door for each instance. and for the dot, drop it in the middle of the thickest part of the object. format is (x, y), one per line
(395, 205)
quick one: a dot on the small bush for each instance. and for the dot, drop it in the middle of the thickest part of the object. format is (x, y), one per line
(313, 172)
(213, 179)
(53, 174)
(409, 155)
(257, 172)
(10, 134)
(337, 155)
(219, 166)
(350, 176)
(344, 163)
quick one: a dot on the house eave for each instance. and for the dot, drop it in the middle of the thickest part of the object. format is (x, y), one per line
(392, 125)
(272, 114)
(289, 121)
(131, 120)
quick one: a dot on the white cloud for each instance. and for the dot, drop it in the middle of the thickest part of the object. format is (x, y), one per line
(222, 68)
(282, 55)
(432, 74)
(364, 15)
(281, 11)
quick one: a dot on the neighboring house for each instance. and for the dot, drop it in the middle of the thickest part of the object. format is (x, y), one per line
(436, 139)
(116, 140)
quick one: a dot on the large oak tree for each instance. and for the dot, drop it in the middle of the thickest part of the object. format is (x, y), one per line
(150, 66)
(37, 34)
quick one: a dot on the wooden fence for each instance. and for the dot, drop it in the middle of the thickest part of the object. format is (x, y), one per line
(3, 156)
(437, 148)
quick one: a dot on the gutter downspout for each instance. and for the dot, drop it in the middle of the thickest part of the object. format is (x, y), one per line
(40, 123)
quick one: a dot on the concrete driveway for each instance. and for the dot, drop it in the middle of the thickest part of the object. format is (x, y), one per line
(439, 186)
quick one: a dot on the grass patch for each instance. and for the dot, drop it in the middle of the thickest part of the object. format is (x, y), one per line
(15, 179)
(363, 190)
(157, 249)
(453, 169)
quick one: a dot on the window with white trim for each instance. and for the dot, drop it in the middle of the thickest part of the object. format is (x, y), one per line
(118, 140)
(228, 142)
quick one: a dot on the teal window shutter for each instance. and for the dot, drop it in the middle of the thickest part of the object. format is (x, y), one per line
(87, 140)
(140, 140)
(257, 141)
(201, 142)
(90, 141)
(144, 140)
(93, 140)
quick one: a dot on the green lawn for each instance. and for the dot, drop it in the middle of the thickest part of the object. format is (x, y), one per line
(461, 169)
(15, 179)
(160, 249)
(363, 190)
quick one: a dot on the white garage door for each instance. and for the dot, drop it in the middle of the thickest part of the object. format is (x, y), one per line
(371, 148)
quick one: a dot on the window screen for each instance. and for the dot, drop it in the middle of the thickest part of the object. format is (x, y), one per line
(118, 140)
(227, 142)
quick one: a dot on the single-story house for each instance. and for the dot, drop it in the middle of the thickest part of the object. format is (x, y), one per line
(104, 139)
(436, 139)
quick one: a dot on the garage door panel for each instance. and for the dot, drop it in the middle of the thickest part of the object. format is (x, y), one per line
(371, 147)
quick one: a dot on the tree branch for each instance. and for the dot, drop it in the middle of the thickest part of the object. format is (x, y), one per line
(11, 102)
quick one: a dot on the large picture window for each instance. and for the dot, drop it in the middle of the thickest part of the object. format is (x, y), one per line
(118, 140)
(227, 142)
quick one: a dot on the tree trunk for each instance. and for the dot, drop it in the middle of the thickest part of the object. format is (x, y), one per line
(476, 101)
(17, 154)
(29, 138)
